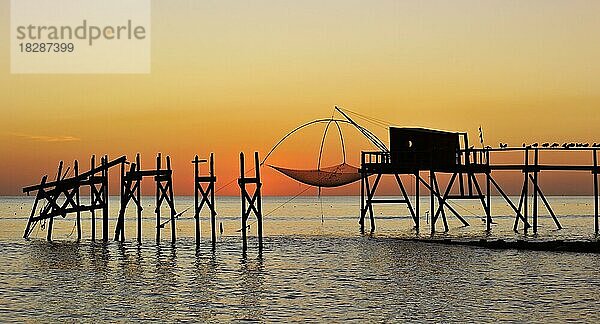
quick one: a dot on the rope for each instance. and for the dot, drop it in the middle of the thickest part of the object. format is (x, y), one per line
(281, 205)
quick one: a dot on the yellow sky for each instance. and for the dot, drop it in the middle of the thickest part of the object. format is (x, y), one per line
(237, 75)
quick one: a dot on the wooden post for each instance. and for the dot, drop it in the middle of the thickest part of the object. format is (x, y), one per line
(92, 199)
(213, 211)
(243, 188)
(51, 220)
(78, 220)
(172, 201)
(196, 163)
(488, 192)
(361, 221)
(119, 230)
(417, 201)
(258, 203)
(157, 210)
(526, 191)
(138, 167)
(595, 174)
(105, 196)
(535, 192)
(432, 217)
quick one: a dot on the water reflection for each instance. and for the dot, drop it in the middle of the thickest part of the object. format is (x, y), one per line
(251, 288)
(296, 279)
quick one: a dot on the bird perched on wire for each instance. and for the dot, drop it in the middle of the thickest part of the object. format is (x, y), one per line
(503, 145)
(554, 145)
(546, 145)
(595, 144)
(534, 145)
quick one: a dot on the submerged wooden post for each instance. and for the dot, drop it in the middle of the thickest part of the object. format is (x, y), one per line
(488, 211)
(432, 217)
(417, 202)
(258, 201)
(242, 183)
(105, 200)
(196, 161)
(158, 200)
(171, 200)
(51, 220)
(251, 204)
(78, 220)
(595, 174)
(213, 211)
(535, 191)
(526, 191)
(139, 208)
(361, 221)
(93, 199)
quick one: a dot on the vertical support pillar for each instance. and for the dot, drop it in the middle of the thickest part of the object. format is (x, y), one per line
(196, 163)
(93, 198)
(432, 217)
(213, 210)
(105, 199)
(138, 167)
(78, 220)
(361, 221)
(417, 202)
(171, 200)
(526, 192)
(51, 220)
(535, 191)
(595, 174)
(258, 202)
(120, 229)
(243, 185)
(157, 210)
(488, 211)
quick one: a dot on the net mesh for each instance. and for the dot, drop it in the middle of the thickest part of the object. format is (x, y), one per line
(333, 176)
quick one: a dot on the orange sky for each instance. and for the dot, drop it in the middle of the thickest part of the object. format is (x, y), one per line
(231, 75)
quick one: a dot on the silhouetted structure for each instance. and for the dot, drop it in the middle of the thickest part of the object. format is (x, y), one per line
(131, 190)
(415, 150)
(61, 196)
(251, 204)
(204, 195)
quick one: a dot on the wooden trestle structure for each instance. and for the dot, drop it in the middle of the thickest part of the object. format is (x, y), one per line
(251, 203)
(61, 197)
(472, 172)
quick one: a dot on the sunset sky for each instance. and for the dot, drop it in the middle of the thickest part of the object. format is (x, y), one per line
(231, 76)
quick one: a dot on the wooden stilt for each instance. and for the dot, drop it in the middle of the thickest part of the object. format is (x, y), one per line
(105, 200)
(93, 193)
(158, 200)
(139, 208)
(488, 193)
(251, 203)
(595, 174)
(171, 201)
(243, 188)
(535, 192)
(78, 213)
(213, 210)
(526, 190)
(417, 202)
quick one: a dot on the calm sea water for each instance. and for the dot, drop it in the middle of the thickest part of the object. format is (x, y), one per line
(316, 266)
